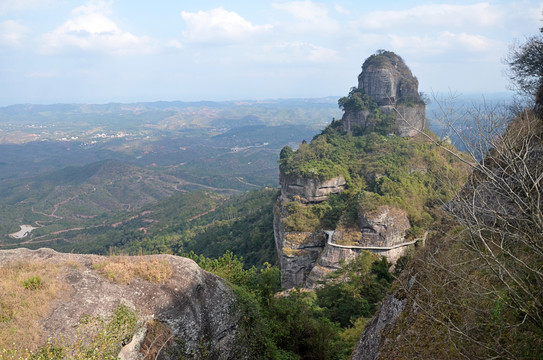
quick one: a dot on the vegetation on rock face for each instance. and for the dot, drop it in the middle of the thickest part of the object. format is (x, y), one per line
(303, 324)
(475, 291)
(26, 291)
(411, 173)
(380, 57)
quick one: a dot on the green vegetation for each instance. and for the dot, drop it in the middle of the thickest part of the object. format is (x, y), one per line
(242, 224)
(303, 324)
(32, 283)
(379, 58)
(376, 120)
(355, 290)
(411, 173)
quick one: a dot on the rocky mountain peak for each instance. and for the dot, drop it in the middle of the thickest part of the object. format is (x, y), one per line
(387, 80)
(386, 99)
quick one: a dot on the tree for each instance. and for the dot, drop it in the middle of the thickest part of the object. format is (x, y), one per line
(525, 61)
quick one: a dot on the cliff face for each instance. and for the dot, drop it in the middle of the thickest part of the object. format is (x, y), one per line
(305, 257)
(390, 84)
(386, 226)
(297, 251)
(368, 346)
(193, 306)
(310, 190)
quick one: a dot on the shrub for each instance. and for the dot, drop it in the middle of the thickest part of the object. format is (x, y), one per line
(32, 283)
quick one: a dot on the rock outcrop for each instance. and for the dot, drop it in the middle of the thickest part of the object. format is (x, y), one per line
(310, 190)
(386, 99)
(297, 251)
(386, 226)
(196, 307)
(368, 346)
(305, 257)
(390, 84)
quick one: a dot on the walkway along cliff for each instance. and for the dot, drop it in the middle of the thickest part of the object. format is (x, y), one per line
(368, 182)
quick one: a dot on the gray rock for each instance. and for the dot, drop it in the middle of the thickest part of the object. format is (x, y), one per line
(368, 346)
(196, 306)
(388, 81)
(386, 226)
(310, 190)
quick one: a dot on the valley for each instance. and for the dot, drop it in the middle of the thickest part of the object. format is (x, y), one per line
(68, 169)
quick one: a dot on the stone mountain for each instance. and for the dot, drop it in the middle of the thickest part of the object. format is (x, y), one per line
(388, 82)
(366, 183)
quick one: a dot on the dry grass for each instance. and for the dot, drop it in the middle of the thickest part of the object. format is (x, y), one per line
(299, 238)
(350, 237)
(122, 269)
(23, 305)
(157, 337)
(294, 252)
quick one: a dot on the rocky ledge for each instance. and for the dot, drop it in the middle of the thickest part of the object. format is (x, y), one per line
(310, 190)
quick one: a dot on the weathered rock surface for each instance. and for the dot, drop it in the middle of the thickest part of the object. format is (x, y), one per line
(368, 346)
(196, 306)
(297, 251)
(310, 190)
(328, 261)
(386, 226)
(388, 81)
(305, 257)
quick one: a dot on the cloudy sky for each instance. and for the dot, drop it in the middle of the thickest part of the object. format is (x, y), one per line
(96, 51)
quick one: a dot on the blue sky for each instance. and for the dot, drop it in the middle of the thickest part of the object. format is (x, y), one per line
(95, 51)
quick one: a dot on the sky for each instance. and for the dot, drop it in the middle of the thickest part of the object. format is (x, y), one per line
(97, 51)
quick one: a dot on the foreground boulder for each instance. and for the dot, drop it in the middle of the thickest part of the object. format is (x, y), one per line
(182, 310)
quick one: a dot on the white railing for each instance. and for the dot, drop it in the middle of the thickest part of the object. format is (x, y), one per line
(330, 234)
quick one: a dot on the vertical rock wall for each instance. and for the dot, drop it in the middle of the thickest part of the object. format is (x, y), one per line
(390, 84)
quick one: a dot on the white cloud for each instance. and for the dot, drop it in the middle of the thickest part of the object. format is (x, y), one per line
(219, 26)
(442, 42)
(91, 29)
(480, 14)
(340, 9)
(175, 44)
(12, 33)
(9, 6)
(312, 17)
(296, 52)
